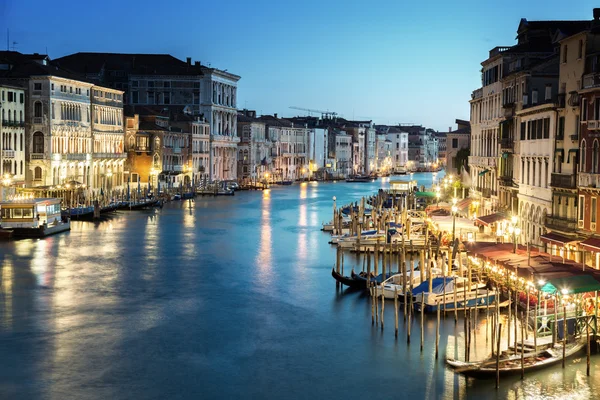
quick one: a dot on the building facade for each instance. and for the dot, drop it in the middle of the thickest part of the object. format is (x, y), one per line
(12, 133)
(456, 141)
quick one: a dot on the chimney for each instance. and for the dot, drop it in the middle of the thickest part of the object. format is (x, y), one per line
(596, 14)
(197, 63)
(449, 129)
(275, 115)
(189, 60)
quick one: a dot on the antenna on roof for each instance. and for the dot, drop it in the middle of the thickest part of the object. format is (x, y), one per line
(14, 45)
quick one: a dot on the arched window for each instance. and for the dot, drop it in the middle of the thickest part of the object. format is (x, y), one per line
(38, 142)
(595, 157)
(21, 140)
(156, 144)
(21, 167)
(37, 172)
(37, 109)
(156, 160)
(131, 142)
(582, 166)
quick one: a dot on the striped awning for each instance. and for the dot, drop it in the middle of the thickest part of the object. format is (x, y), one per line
(558, 239)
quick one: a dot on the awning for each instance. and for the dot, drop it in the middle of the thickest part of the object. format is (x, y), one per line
(425, 194)
(464, 203)
(571, 285)
(575, 152)
(557, 239)
(487, 220)
(485, 171)
(591, 244)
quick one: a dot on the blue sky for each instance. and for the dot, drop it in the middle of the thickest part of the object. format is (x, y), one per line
(392, 62)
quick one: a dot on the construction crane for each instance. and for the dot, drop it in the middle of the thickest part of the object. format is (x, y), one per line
(324, 114)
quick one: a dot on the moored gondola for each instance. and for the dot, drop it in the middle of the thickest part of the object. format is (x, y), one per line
(351, 282)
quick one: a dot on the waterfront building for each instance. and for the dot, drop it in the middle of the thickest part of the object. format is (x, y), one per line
(157, 151)
(181, 86)
(66, 126)
(108, 134)
(583, 50)
(12, 133)
(340, 151)
(442, 148)
(485, 119)
(383, 149)
(456, 141)
(399, 147)
(563, 217)
(254, 150)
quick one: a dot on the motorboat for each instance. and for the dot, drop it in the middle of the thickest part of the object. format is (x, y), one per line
(442, 294)
(393, 285)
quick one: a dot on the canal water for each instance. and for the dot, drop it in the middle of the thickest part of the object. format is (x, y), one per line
(224, 298)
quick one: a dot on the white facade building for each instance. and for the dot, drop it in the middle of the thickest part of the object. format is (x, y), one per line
(317, 148)
(12, 128)
(219, 106)
(399, 144)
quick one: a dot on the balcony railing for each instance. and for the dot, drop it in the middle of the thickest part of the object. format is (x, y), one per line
(505, 180)
(560, 224)
(587, 179)
(110, 155)
(37, 156)
(74, 156)
(8, 153)
(142, 148)
(593, 125)
(573, 99)
(14, 124)
(38, 120)
(563, 181)
(591, 80)
(507, 143)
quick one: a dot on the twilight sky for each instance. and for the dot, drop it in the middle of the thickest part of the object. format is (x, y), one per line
(389, 61)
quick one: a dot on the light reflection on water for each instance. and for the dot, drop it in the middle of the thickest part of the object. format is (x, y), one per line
(232, 298)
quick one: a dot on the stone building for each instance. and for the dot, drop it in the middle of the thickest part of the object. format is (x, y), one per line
(12, 133)
(182, 86)
(456, 141)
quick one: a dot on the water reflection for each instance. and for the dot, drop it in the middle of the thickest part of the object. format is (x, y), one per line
(264, 258)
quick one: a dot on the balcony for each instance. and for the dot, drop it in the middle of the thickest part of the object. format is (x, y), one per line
(38, 120)
(563, 181)
(507, 143)
(574, 138)
(589, 180)
(37, 156)
(8, 153)
(505, 180)
(178, 168)
(591, 80)
(593, 125)
(482, 161)
(560, 100)
(74, 156)
(109, 155)
(560, 224)
(13, 124)
(573, 99)
(142, 148)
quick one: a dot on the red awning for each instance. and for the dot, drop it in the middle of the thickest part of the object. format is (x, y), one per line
(591, 244)
(557, 239)
(464, 203)
(487, 220)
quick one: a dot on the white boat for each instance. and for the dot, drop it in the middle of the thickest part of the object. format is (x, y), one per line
(33, 217)
(476, 294)
(393, 284)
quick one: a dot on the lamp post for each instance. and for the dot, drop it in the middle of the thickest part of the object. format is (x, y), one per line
(514, 230)
(454, 211)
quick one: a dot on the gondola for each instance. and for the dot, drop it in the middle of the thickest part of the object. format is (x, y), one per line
(351, 282)
(512, 365)
(363, 277)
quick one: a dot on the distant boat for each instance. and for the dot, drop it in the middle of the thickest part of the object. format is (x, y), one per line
(359, 178)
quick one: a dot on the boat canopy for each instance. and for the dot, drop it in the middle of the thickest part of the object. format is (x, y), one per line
(571, 285)
(437, 286)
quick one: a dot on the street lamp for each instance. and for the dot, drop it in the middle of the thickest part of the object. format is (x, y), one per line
(454, 212)
(514, 230)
